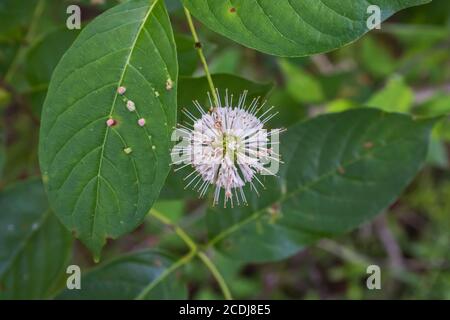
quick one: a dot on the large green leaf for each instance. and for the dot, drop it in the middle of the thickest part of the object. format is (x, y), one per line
(340, 170)
(34, 246)
(126, 278)
(96, 188)
(292, 27)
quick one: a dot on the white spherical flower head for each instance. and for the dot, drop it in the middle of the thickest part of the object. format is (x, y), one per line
(227, 147)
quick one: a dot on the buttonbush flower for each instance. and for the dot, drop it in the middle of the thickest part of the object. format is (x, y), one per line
(227, 147)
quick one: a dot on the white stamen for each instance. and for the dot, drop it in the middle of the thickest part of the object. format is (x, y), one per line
(227, 148)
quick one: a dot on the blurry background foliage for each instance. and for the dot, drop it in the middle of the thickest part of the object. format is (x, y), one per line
(404, 67)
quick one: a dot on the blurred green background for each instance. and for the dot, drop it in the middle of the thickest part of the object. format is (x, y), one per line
(403, 67)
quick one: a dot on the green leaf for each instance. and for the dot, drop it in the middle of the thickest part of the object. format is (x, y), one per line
(311, 90)
(21, 150)
(437, 105)
(437, 154)
(14, 16)
(44, 55)
(396, 96)
(172, 209)
(187, 56)
(289, 110)
(376, 58)
(127, 276)
(188, 61)
(196, 88)
(34, 246)
(417, 35)
(190, 89)
(340, 105)
(227, 61)
(96, 188)
(292, 27)
(41, 60)
(340, 171)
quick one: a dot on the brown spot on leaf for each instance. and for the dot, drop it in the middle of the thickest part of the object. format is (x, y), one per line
(232, 10)
(341, 170)
(368, 145)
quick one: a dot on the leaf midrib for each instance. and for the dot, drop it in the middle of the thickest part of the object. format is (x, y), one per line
(125, 68)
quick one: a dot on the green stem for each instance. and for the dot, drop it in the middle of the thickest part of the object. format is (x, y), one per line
(181, 262)
(29, 36)
(194, 251)
(179, 231)
(223, 234)
(198, 46)
(217, 275)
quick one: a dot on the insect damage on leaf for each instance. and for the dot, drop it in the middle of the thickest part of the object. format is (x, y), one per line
(141, 122)
(111, 122)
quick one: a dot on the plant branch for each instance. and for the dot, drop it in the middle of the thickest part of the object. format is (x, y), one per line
(217, 275)
(199, 49)
(181, 262)
(194, 251)
(179, 231)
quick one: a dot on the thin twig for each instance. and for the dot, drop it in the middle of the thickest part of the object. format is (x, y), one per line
(217, 275)
(199, 49)
(194, 251)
